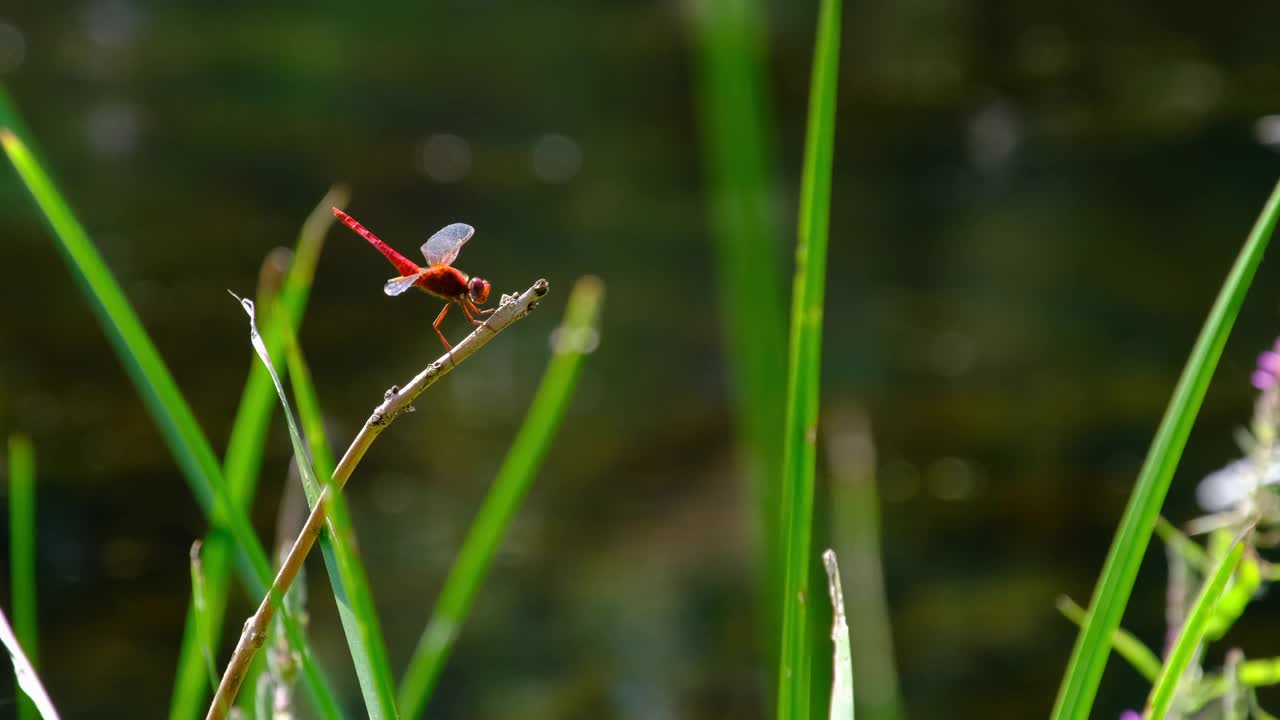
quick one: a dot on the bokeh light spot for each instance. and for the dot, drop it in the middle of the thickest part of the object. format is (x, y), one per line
(13, 48)
(556, 158)
(112, 128)
(445, 158)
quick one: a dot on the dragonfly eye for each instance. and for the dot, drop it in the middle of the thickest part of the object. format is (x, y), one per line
(478, 289)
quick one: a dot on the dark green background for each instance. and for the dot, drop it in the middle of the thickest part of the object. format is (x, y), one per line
(1033, 207)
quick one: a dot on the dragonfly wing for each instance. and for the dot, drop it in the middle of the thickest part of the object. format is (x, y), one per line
(396, 286)
(443, 247)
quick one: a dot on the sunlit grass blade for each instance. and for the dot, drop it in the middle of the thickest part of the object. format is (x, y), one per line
(1126, 645)
(22, 553)
(1192, 633)
(346, 571)
(27, 679)
(576, 337)
(244, 457)
(738, 145)
(799, 455)
(841, 658)
(160, 395)
(1084, 670)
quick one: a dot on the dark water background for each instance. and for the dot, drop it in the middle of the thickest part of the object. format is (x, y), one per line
(1034, 205)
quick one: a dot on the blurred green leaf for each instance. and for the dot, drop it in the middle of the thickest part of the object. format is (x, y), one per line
(1084, 670)
(804, 372)
(22, 554)
(737, 139)
(159, 393)
(576, 336)
(244, 457)
(199, 606)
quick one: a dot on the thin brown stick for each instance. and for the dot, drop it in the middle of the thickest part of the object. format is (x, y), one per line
(397, 400)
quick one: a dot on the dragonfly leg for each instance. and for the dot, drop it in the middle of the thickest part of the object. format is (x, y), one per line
(469, 307)
(436, 326)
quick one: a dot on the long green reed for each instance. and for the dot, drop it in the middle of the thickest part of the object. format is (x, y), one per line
(574, 339)
(243, 459)
(732, 92)
(1088, 658)
(22, 554)
(804, 372)
(177, 424)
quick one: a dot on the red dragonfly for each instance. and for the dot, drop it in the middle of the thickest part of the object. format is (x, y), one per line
(439, 277)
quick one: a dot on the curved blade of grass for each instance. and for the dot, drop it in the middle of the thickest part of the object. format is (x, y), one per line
(1084, 670)
(736, 136)
(841, 657)
(244, 459)
(22, 553)
(346, 572)
(576, 336)
(1192, 633)
(803, 378)
(25, 675)
(182, 434)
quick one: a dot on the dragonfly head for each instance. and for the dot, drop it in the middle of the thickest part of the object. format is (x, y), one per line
(478, 289)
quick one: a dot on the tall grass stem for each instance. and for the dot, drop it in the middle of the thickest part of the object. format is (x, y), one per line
(804, 373)
(1089, 656)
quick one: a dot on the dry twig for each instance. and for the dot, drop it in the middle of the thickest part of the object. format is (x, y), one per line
(397, 400)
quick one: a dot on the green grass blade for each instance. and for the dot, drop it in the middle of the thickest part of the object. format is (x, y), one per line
(244, 459)
(841, 656)
(576, 336)
(1084, 670)
(803, 377)
(1126, 645)
(346, 572)
(737, 139)
(199, 606)
(199, 603)
(27, 680)
(178, 427)
(1192, 633)
(22, 553)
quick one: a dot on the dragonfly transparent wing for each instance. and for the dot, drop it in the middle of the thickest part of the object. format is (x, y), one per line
(443, 247)
(396, 286)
